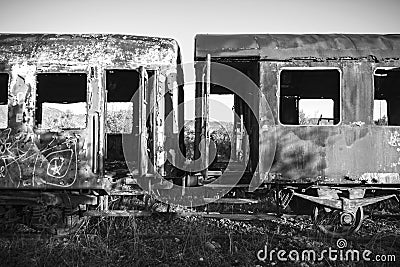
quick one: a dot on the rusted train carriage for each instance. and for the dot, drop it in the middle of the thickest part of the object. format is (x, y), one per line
(335, 109)
(67, 102)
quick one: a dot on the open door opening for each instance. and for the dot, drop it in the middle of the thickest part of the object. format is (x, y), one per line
(129, 114)
(236, 134)
(120, 118)
(121, 85)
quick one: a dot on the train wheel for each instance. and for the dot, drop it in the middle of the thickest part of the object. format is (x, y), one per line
(335, 222)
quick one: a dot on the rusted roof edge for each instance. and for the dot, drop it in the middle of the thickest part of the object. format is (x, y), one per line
(289, 46)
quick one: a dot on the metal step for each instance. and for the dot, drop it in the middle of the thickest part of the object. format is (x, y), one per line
(137, 192)
(232, 200)
(118, 213)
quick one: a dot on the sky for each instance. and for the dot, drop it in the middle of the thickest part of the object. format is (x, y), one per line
(183, 19)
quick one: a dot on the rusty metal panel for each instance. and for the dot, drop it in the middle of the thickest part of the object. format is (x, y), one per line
(268, 75)
(143, 168)
(202, 135)
(96, 121)
(357, 92)
(365, 154)
(160, 127)
(300, 152)
(338, 154)
(292, 46)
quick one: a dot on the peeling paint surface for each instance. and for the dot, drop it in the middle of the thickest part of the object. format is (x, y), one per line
(31, 157)
(91, 49)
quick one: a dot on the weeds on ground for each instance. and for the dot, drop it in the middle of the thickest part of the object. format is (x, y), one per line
(186, 241)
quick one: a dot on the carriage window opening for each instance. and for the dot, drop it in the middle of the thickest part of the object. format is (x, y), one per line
(380, 112)
(315, 111)
(61, 100)
(386, 110)
(4, 100)
(121, 88)
(309, 97)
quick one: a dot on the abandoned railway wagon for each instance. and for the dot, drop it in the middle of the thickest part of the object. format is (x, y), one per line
(316, 115)
(67, 102)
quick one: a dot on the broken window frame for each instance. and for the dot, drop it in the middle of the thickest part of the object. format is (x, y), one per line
(62, 71)
(373, 97)
(316, 68)
(5, 105)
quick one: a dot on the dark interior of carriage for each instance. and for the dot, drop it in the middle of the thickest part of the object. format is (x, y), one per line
(61, 100)
(387, 97)
(3, 100)
(317, 88)
(3, 88)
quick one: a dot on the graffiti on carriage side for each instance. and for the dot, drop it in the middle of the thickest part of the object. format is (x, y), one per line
(29, 160)
(56, 167)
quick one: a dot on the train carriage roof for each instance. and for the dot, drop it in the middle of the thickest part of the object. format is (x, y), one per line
(105, 48)
(292, 46)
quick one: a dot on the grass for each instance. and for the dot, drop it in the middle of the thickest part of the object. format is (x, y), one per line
(189, 241)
